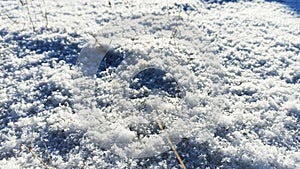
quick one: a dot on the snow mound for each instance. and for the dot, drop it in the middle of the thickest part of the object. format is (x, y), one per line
(150, 53)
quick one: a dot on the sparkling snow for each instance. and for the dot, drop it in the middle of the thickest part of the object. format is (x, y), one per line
(89, 90)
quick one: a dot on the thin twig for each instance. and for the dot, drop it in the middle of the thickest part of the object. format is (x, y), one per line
(15, 22)
(32, 137)
(170, 143)
(95, 38)
(47, 151)
(173, 36)
(36, 157)
(22, 3)
(45, 13)
(28, 12)
(109, 3)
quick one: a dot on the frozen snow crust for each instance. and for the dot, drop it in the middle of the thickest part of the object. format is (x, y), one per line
(222, 77)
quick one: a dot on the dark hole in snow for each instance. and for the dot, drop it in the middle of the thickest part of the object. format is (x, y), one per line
(154, 79)
(112, 59)
(151, 79)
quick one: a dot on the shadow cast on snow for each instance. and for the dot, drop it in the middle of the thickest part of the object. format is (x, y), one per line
(59, 47)
(292, 4)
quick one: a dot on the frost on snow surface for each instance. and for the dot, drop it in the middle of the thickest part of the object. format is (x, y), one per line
(108, 84)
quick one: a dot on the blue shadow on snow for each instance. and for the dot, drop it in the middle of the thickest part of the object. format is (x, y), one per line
(292, 4)
(60, 46)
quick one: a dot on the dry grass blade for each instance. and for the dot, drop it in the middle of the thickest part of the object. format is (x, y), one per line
(36, 157)
(171, 144)
(47, 151)
(9, 17)
(45, 14)
(28, 12)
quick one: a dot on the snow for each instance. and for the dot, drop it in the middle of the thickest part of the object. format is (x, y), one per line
(91, 89)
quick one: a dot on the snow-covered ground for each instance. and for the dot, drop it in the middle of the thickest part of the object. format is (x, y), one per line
(86, 84)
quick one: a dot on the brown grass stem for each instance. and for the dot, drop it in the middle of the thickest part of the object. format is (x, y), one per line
(158, 121)
(36, 157)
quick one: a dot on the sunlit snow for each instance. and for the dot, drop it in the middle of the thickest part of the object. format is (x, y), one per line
(105, 84)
